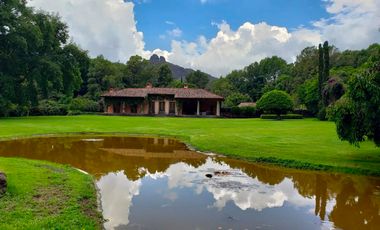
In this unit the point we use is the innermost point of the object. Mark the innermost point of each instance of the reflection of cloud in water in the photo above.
(116, 194)
(245, 192)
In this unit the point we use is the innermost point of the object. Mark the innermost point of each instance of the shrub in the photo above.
(50, 107)
(248, 111)
(81, 104)
(235, 111)
(275, 101)
(282, 116)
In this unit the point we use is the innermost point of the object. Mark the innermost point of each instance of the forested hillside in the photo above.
(300, 79)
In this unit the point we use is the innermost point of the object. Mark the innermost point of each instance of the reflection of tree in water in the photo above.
(357, 199)
(320, 197)
(101, 155)
(356, 206)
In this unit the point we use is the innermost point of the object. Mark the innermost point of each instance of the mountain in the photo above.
(177, 71)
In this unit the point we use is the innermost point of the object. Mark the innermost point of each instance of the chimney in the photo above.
(186, 86)
(148, 85)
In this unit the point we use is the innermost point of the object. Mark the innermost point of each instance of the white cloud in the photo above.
(105, 27)
(169, 22)
(176, 32)
(233, 49)
(108, 27)
(353, 24)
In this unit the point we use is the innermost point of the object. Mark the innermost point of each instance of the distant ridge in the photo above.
(178, 72)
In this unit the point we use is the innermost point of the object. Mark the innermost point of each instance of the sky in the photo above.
(215, 36)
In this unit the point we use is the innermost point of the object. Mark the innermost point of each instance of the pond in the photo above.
(158, 183)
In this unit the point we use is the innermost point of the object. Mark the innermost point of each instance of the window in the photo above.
(172, 107)
(162, 107)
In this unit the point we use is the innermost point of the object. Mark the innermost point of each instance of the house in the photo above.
(162, 101)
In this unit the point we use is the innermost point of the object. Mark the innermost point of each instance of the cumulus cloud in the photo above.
(354, 24)
(233, 49)
(106, 27)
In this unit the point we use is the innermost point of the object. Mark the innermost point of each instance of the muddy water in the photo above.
(152, 183)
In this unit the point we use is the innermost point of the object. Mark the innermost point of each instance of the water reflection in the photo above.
(152, 183)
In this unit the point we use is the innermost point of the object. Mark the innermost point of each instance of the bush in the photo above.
(81, 104)
(282, 116)
(247, 111)
(275, 101)
(50, 107)
(235, 111)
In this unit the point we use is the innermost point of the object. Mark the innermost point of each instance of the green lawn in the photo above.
(43, 195)
(306, 143)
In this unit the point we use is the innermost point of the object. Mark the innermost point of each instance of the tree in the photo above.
(309, 96)
(275, 101)
(323, 76)
(305, 67)
(222, 87)
(165, 76)
(326, 61)
(272, 67)
(235, 99)
(321, 72)
(357, 114)
(102, 75)
(333, 90)
(198, 78)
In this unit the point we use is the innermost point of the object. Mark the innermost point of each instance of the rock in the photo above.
(208, 175)
(3, 184)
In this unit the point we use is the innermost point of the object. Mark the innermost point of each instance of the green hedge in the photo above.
(247, 111)
(283, 116)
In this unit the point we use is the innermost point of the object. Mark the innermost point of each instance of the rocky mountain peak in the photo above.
(155, 59)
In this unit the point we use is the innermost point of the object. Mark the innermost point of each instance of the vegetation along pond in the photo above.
(157, 183)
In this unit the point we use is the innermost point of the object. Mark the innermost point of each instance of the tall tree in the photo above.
(164, 77)
(198, 78)
(320, 71)
(326, 61)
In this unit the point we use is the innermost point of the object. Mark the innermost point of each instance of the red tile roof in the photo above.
(247, 104)
(176, 92)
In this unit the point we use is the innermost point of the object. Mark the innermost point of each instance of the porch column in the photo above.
(156, 107)
(198, 107)
(218, 108)
(167, 107)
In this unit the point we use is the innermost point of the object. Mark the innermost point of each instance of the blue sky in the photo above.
(156, 17)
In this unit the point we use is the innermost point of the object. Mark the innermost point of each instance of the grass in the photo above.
(44, 195)
(307, 143)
